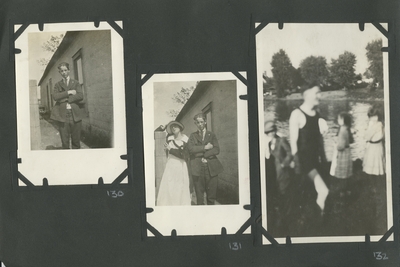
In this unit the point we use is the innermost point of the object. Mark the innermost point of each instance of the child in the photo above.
(342, 165)
(374, 157)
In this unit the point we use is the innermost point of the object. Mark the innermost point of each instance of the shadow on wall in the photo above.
(96, 138)
(227, 193)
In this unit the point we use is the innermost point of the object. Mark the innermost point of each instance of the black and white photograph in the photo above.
(196, 152)
(70, 102)
(323, 97)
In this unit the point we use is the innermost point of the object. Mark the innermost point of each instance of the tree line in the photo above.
(339, 74)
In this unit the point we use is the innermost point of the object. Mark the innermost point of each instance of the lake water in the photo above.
(329, 110)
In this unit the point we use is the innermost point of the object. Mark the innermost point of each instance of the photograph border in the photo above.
(118, 175)
(259, 24)
(242, 224)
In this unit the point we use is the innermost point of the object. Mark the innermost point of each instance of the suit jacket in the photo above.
(60, 95)
(197, 152)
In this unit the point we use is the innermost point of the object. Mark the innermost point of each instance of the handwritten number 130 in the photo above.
(115, 194)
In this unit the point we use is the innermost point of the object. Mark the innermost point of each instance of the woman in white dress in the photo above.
(174, 187)
(374, 157)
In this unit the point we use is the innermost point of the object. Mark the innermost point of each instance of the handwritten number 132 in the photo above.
(380, 256)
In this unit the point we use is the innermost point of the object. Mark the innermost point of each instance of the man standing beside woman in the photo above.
(200, 151)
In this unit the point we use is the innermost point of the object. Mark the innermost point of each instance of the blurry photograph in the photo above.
(194, 147)
(324, 132)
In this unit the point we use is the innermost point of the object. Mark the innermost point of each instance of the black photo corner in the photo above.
(74, 159)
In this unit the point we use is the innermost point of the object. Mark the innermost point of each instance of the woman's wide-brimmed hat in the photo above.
(168, 127)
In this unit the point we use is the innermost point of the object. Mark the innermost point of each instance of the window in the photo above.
(207, 110)
(78, 70)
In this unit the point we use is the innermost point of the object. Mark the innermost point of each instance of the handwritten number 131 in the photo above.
(235, 246)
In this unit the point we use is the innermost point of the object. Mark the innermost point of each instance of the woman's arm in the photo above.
(177, 153)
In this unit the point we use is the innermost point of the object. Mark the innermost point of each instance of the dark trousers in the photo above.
(205, 183)
(70, 130)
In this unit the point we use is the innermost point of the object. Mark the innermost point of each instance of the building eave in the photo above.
(197, 93)
(65, 43)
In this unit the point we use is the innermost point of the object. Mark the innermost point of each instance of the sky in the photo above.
(303, 40)
(36, 52)
(163, 92)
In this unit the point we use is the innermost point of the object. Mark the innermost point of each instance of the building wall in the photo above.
(223, 98)
(95, 50)
(34, 116)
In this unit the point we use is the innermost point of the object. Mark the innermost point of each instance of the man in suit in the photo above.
(203, 148)
(66, 112)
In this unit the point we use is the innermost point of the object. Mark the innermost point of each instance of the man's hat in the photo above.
(269, 126)
(168, 127)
